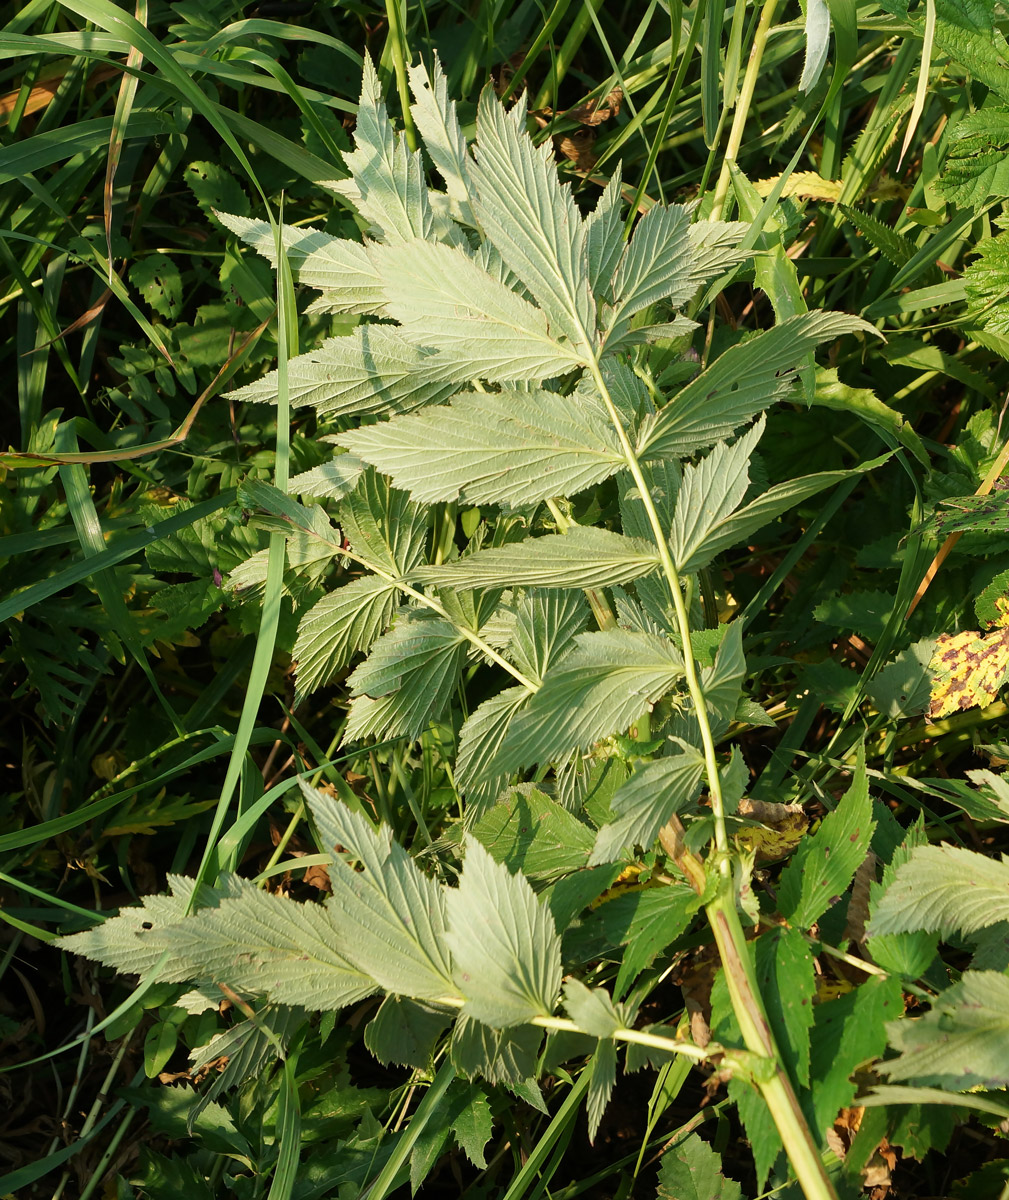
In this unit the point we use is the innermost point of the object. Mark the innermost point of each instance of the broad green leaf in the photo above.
(532, 219)
(601, 1083)
(942, 889)
(655, 266)
(722, 683)
(787, 982)
(406, 1032)
(159, 1046)
(962, 1042)
(387, 185)
(976, 165)
(120, 941)
(444, 301)
(507, 447)
(392, 917)
(407, 679)
(902, 688)
(986, 280)
(643, 805)
(657, 917)
(546, 621)
(261, 943)
(340, 267)
(583, 557)
(741, 383)
(848, 1032)
(775, 501)
(472, 1123)
(505, 949)
(329, 480)
(970, 514)
(530, 833)
(825, 863)
(600, 688)
(477, 773)
(384, 525)
(593, 1010)
(345, 621)
(159, 281)
(691, 1170)
(371, 370)
(435, 116)
(604, 240)
(710, 492)
(909, 953)
(499, 1055)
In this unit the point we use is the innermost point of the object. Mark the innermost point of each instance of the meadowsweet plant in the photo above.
(517, 536)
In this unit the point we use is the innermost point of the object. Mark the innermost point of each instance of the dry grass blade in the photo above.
(124, 106)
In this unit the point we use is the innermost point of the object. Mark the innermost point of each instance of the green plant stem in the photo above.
(747, 1004)
(397, 42)
(743, 107)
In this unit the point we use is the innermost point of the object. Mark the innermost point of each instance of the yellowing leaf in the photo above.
(970, 667)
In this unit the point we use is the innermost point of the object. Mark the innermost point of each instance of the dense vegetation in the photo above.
(504, 600)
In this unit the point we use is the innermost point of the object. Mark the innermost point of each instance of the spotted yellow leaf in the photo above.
(969, 668)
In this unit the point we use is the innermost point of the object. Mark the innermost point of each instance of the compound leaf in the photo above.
(387, 185)
(742, 382)
(532, 219)
(447, 303)
(371, 370)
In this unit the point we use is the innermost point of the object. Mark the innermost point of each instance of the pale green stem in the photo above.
(743, 106)
(729, 937)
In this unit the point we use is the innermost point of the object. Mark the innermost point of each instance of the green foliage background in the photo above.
(175, 385)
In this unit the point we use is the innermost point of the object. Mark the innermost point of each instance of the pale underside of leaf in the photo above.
(505, 948)
(387, 184)
(371, 370)
(583, 557)
(446, 302)
(532, 219)
(340, 267)
(740, 383)
(507, 447)
(943, 889)
(604, 684)
(392, 917)
(342, 623)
